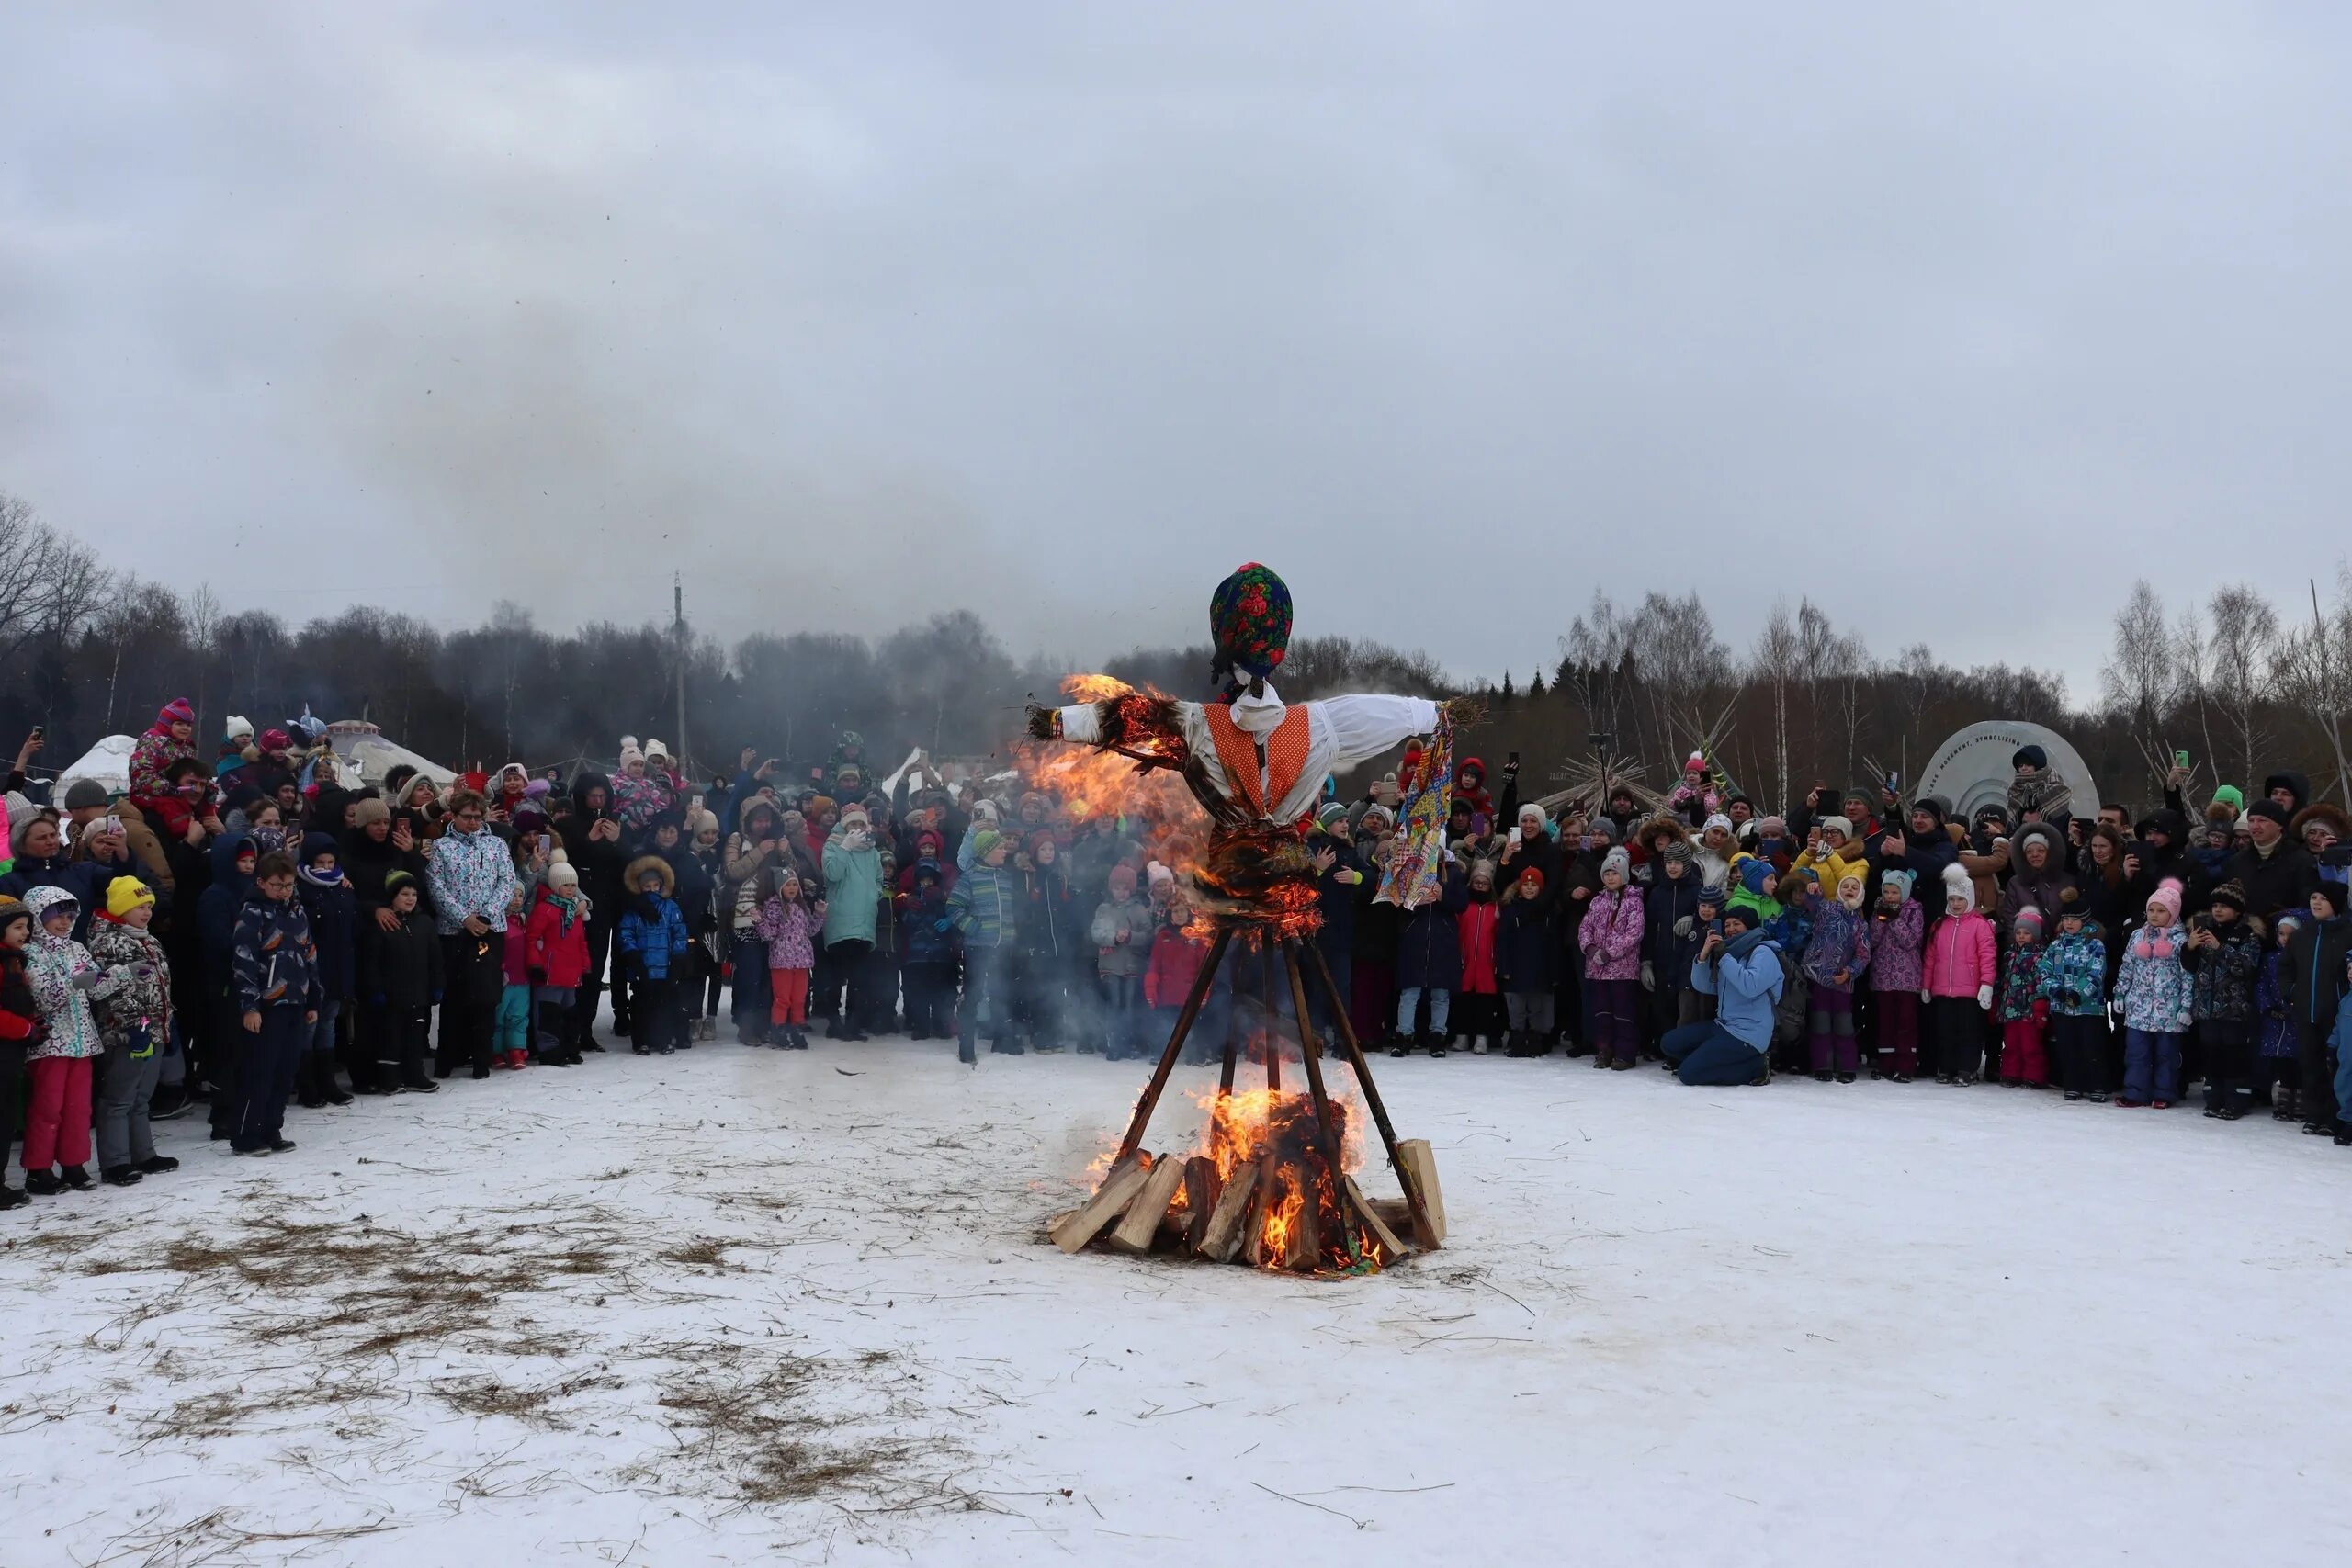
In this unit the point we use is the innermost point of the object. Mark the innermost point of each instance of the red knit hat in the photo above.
(179, 710)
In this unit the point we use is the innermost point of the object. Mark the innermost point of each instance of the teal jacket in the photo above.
(1746, 979)
(852, 891)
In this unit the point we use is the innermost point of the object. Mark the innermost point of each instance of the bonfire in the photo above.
(1222, 792)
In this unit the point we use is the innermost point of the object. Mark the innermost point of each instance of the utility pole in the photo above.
(678, 626)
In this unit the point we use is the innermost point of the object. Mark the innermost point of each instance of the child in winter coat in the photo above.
(555, 946)
(1791, 931)
(789, 925)
(19, 1028)
(1671, 938)
(1610, 937)
(929, 954)
(1523, 945)
(2224, 962)
(2311, 977)
(1429, 961)
(509, 1029)
(652, 938)
(400, 984)
(2275, 1070)
(1169, 979)
(332, 910)
(1477, 1003)
(1956, 973)
(1122, 935)
(275, 966)
(1835, 956)
(2074, 980)
(1896, 923)
(134, 1015)
(2024, 1009)
(2154, 989)
(62, 977)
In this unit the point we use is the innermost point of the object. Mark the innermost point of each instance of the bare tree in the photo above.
(2196, 666)
(1596, 662)
(2313, 671)
(2141, 680)
(1852, 674)
(1777, 663)
(50, 584)
(2245, 654)
(203, 612)
(1684, 670)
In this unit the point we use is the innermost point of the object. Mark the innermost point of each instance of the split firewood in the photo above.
(1200, 1199)
(1422, 1163)
(1134, 1234)
(1383, 1231)
(1110, 1200)
(1223, 1237)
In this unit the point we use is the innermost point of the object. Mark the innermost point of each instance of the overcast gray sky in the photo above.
(1956, 317)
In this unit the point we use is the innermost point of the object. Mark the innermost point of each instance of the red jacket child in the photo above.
(1175, 962)
(557, 935)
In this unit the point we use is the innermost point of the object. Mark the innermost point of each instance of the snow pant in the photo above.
(1897, 1018)
(1531, 1010)
(984, 987)
(57, 1128)
(2151, 1065)
(2081, 1047)
(788, 997)
(1369, 988)
(226, 1027)
(1044, 990)
(931, 1000)
(1615, 1006)
(1957, 1026)
(2023, 1057)
(12, 1094)
(2229, 1062)
(474, 979)
(126, 1083)
(879, 970)
(825, 989)
(1661, 1010)
(394, 1040)
(1709, 1053)
(659, 1019)
(265, 1077)
(848, 958)
(1123, 1012)
(510, 1026)
(1829, 1023)
(592, 984)
(2318, 1100)
(753, 1001)
(1790, 1016)
(1409, 1008)
(551, 1030)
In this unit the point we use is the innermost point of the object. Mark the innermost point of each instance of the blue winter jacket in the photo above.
(1746, 980)
(654, 931)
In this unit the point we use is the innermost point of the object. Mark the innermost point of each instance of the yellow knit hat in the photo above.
(125, 894)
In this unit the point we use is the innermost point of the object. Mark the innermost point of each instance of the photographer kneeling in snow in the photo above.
(1742, 971)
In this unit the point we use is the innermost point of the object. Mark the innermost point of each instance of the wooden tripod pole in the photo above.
(1184, 1019)
(1232, 1048)
(1273, 1020)
(1423, 1231)
(1311, 1053)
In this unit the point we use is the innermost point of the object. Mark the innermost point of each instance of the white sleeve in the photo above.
(1080, 723)
(1362, 728)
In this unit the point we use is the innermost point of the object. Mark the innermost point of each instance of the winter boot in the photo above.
(1439, 1044)
(121, 1176)
(516, 1060)
(76, 1178)
(330, 1091)
(306, 1082)
(43, 1183)
(156, 1165)
(13, 1198)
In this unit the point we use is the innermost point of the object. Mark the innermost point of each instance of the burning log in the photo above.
(1135, 1233)
(1415, 1152)
(1222, 1239)
(1082, 1225)
(1200, 1199)
(1383, 1235)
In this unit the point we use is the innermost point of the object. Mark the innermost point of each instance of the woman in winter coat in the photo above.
(752, 853)
(2225, 962)
(2159, 1002)
(1610, 936)
(1429, 961)
(1372, 953)
(2037, 874)
(1897, 926)
(63, 978)
(1049, 929)
(1956, 980)
(853, 868)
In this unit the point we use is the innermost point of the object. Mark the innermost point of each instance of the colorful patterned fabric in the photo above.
(1415, 876)
(1250, 620)
(1236, 752)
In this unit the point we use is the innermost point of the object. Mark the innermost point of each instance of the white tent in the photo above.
(108, 763)
(363, 748)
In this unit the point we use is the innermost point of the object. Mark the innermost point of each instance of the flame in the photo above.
(1093, 783)
(1282, 1218)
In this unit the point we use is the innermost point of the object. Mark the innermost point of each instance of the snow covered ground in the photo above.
(739, 1306)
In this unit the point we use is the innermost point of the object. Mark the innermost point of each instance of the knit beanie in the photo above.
(562, 874)
(11, 911)
(1603, 827)
(1532, 879)
(369, 810)
(237, 728)
(1713, 894)
(984, 841)
(1958, 884)
(396, 880)
(2286, 923)
(1900, 881)
(2231, 796)
(2332, 892)
(1694, 763)
(1678, 851)
(2269, 810)
(1158, 873)
(1716, 822)
(2030, 916)
(2166, 896)
(1773, 827)
(125, 894)
(1331, 816)
(2233, 894)
(1618, 861)
(1528, 808)
(179, 710)
(84, 792)
(1838, 825)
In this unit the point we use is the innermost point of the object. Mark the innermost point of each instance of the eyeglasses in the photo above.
(469, 817)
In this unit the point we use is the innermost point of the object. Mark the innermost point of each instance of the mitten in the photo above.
(2182, 1019)
(1649, 978)
(1985, 997)
(1926, 996)
(942, 927)
(1682, 926)
(87, 980)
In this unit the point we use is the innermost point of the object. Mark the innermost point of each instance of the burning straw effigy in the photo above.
(1268, 1183)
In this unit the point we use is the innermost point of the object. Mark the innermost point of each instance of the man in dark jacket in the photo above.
(1923, 848)
(2311, 975)
(1339, 872)
(594, 842)
(398, 976)
(233, 859)
(2164, 851)
(1670, 938)
(2275, 871)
